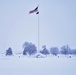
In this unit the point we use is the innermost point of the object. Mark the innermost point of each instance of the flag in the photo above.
(37, 12)
(33, 11)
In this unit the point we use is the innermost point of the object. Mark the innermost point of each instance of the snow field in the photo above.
(14, 65)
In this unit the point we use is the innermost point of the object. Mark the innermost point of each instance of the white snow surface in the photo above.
(51, 65)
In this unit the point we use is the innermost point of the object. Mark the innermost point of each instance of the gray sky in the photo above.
(57, 23)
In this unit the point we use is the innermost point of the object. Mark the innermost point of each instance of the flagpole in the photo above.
(38, 34)
(37, 12)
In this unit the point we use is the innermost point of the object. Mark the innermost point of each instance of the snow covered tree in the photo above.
(54, 51)
(73, 51)
(29, 48)
(45, 50)
(9, 51)
(65, 50)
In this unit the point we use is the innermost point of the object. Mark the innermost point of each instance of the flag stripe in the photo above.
(35, 10)
(32, 11)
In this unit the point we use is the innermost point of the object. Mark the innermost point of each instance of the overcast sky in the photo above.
(57, 20)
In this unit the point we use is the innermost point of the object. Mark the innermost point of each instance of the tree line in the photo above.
(30, 49)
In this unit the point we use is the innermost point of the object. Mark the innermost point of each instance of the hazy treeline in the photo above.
(31, 49)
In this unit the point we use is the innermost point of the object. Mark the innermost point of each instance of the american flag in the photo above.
(33, 11)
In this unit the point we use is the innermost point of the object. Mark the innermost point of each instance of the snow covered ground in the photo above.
(51, 65)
